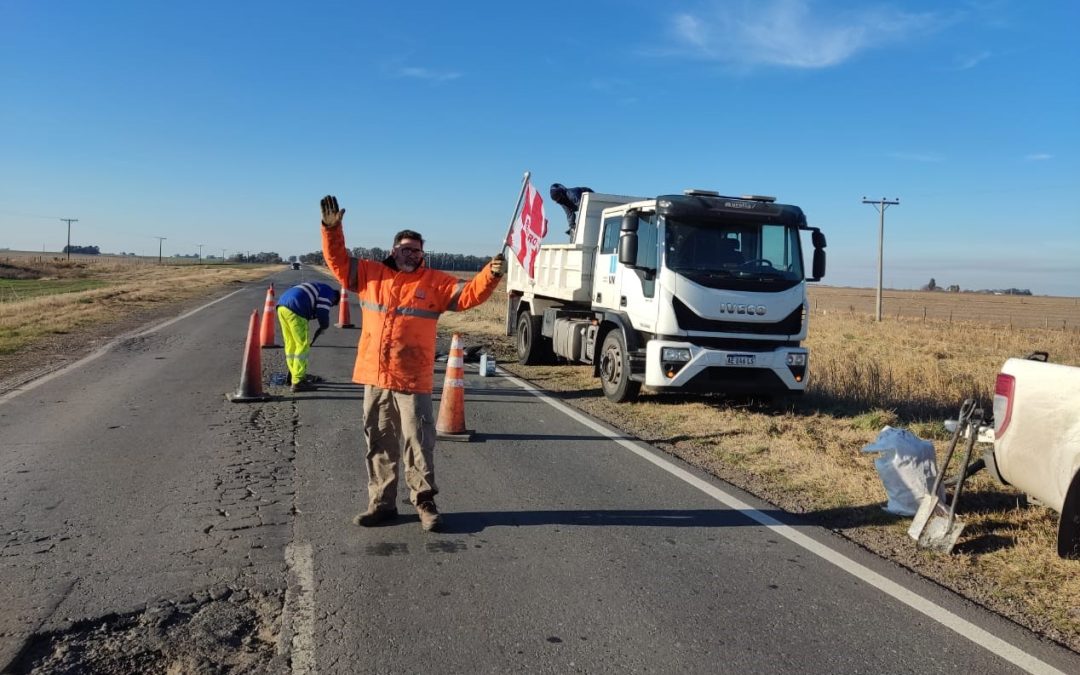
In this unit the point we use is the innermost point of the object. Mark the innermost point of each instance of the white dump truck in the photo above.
(692, 291)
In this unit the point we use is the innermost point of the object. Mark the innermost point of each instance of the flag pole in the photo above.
(513, 216)
(511, 303)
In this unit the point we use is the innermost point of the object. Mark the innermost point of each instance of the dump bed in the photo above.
(564, 270)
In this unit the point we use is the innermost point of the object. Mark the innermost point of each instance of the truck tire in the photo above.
(615, 369)
(1069, 523)
(532, 347)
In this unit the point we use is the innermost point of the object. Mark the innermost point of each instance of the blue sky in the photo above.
(224, 123)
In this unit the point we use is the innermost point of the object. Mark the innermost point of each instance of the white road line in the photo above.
(33, 384)
(961, 626)
(299, 611)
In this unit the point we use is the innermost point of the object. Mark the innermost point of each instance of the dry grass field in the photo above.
(59, 308)
(1017, 311)
(905, 371)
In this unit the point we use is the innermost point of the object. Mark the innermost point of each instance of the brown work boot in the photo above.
(429, 516)
(375, 515)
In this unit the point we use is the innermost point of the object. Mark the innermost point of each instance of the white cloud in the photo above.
(792, 33)
(1038, 157)
(426, 74)
(971, 60)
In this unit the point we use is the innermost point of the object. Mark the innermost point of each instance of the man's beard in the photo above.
(409, 267)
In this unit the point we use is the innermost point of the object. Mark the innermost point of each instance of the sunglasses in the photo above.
(409, 250)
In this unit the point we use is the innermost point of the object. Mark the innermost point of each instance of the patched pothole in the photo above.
(238, 632)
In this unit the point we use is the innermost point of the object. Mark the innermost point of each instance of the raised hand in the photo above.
(331, 214)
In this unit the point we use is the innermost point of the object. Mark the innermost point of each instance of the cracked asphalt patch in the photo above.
(224, 531)
(236, 632)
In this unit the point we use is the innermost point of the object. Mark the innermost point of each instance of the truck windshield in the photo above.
(706, 251)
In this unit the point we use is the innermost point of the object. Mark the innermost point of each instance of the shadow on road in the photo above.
(477, 521)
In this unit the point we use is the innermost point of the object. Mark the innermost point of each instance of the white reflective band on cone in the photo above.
(455, 383)
(455, 362)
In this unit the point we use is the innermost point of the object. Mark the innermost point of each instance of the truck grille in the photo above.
(689, 320)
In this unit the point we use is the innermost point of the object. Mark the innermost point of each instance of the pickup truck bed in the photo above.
(1037, 439)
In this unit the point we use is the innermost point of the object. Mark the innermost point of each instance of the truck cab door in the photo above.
(623, 289)
(606, 271)
(637, 286)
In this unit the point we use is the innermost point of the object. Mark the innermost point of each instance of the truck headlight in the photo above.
(677, 354)
(796, 363)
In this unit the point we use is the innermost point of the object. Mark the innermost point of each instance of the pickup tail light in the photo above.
(1003, 400)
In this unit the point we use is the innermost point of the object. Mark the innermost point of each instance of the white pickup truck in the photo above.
(1037, 439)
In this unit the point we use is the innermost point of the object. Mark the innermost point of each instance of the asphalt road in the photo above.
(129, 482)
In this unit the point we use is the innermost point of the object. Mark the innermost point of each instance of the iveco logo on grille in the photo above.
(739, 205)
(732, 308)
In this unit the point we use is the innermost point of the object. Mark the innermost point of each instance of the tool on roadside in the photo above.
(936, 527)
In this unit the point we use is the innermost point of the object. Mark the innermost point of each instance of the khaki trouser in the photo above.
(394, 421)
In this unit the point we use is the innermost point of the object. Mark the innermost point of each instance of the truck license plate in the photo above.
(740, 359)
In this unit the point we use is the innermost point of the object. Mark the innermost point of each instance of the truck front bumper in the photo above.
(783, 369)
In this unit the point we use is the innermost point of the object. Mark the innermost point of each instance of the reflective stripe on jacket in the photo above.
(399, 313)
(311, 300)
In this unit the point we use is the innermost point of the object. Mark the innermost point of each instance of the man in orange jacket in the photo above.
(400, 303)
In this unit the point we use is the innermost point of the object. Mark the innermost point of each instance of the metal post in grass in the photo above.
(880, 205)
(160, 239)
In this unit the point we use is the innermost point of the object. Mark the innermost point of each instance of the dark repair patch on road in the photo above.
(238, 632)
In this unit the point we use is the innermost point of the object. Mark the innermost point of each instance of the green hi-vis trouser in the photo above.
(399, 426)
(294, 329)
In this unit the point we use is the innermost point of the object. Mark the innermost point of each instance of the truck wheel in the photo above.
(615, 369)
(532, 347)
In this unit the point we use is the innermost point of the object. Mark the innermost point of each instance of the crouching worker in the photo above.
(295, 308)
(400, 303)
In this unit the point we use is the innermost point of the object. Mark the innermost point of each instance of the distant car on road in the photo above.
(296, 265)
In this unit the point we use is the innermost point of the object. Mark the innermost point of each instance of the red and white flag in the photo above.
(529, 228)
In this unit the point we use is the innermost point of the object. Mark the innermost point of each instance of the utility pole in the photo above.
(69, 221)
(159, 240)
(200, 252)
(880, 205)
(223, 256)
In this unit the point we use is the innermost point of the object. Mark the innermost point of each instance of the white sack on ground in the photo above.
(907, 468)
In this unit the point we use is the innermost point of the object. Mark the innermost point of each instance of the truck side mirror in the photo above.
(628, 242)
(819, 264)
(628, 239)
(818, 238)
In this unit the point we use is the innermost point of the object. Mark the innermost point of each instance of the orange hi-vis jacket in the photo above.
(399, 312)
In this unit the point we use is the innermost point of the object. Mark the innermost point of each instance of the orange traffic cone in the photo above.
(451, 423)
(251, 370)
(343, 311)
(266, 335)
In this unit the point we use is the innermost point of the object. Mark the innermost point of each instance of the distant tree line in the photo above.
(263, 258)
(440, 261)
(955, 288)
(83, 250)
